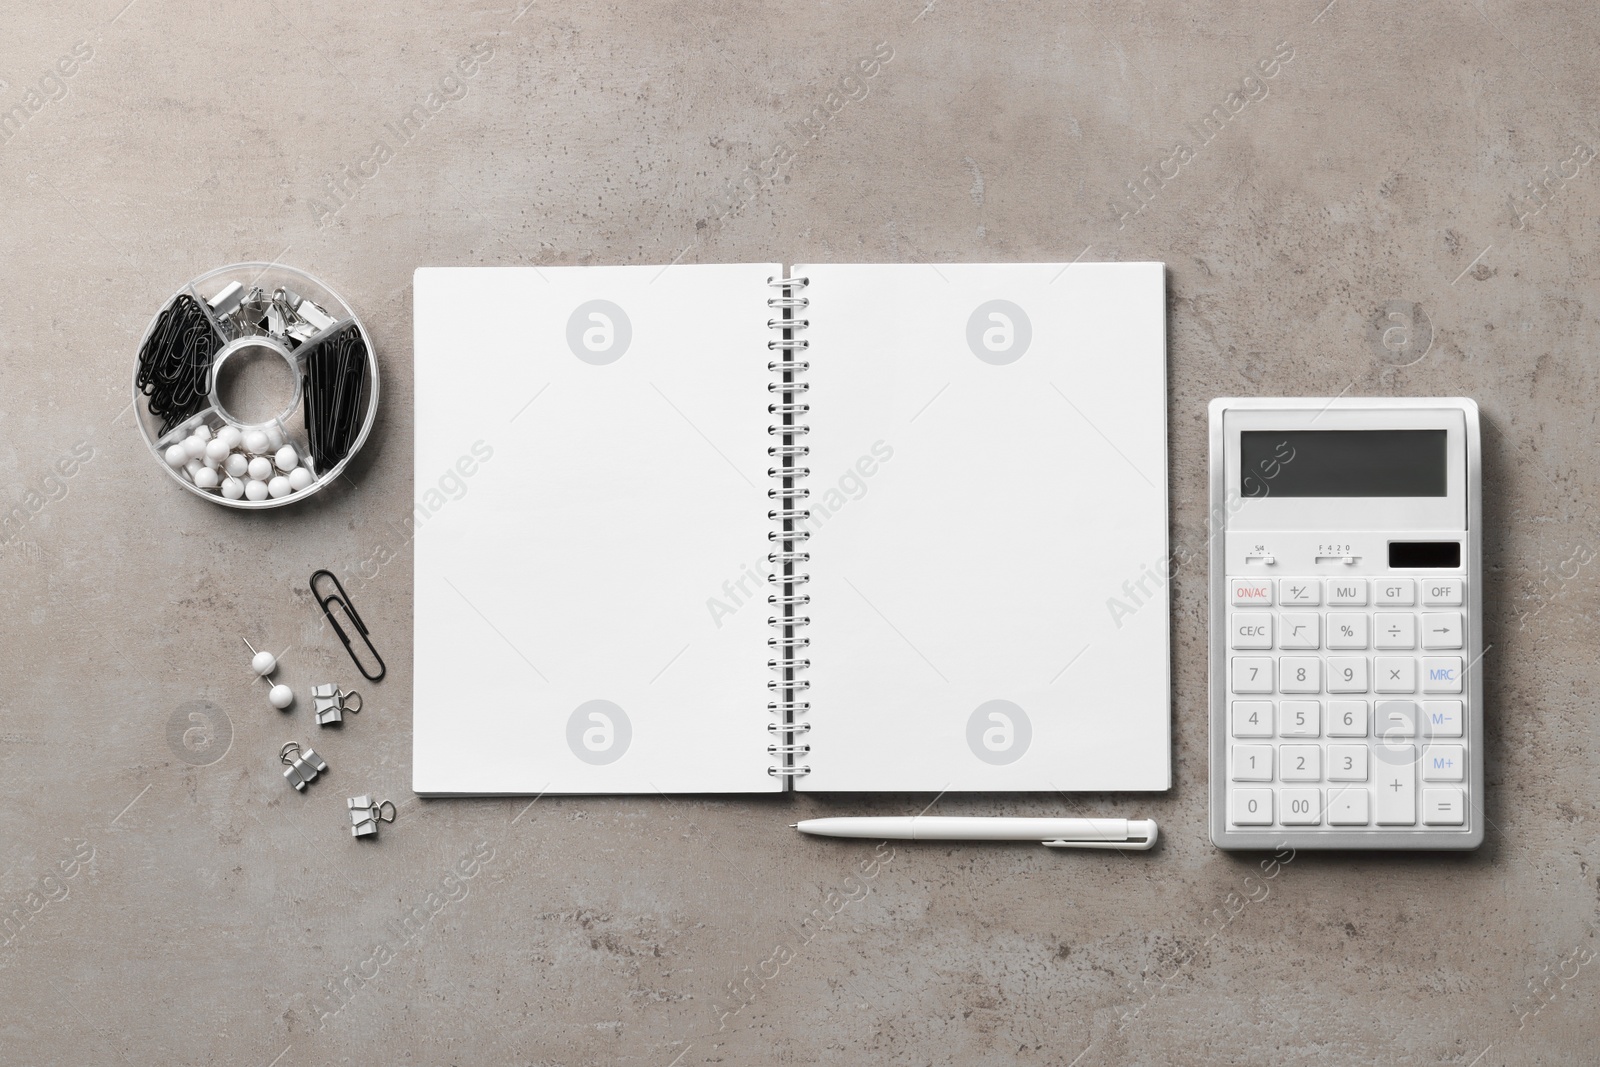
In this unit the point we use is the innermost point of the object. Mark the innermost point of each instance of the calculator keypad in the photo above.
(1345, 702)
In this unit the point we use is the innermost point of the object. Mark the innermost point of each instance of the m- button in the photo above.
(1251, 592)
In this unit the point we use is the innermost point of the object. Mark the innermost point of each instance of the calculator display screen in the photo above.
(1342, 463)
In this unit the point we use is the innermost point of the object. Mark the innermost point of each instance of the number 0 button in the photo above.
(1252, 807)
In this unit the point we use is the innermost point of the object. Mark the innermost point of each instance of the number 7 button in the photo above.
(1252, 674)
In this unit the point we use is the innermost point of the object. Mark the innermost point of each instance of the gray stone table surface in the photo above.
(166, 899)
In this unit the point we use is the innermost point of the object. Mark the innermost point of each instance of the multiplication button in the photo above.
(1395, 675)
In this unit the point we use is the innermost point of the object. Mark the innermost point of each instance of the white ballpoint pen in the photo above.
(1131, 834)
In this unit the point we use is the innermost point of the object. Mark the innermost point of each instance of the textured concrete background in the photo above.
(169, 900)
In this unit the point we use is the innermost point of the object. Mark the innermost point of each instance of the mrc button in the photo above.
(1250, 591)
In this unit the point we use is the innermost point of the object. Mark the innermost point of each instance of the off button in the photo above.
(1251, 592)
(1441, 592)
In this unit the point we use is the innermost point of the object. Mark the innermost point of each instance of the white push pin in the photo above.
(263, 663)
(279, 696)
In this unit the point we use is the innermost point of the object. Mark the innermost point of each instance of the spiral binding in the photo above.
(788, 513)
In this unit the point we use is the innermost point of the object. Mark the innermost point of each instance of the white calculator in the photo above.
(1346, 624)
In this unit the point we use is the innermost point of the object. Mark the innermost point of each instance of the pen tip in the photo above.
(793, 825)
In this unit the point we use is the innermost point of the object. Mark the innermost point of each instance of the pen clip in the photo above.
(1134, 842)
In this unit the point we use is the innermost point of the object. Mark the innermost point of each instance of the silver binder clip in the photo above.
(300, 767)
(365, 815)
(277, 319)
(330, 703)
(227, 301)
(314, 315)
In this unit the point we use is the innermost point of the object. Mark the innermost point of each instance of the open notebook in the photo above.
(841, 527)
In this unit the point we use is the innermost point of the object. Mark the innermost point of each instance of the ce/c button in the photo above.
(1251, 629)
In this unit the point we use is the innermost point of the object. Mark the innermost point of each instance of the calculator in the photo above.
(1346, 624)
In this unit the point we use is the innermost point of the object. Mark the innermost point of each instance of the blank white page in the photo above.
(590, 477)
(989, 527)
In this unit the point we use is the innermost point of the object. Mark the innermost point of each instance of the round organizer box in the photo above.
(208, 406)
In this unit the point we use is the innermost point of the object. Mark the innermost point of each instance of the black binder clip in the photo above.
(342, 599)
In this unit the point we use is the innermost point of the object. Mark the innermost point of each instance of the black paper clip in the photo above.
(343, 600)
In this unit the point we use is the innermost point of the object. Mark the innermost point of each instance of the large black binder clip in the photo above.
(342, 599)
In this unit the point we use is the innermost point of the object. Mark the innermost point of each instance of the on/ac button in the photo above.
(1250, 591)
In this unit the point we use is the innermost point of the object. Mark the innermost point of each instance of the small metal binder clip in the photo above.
(277, 319)
(342, 599)
(300, 767)
(250, 315)
(225, 302)
(314, 316)
(329, 702)
(300, 331)
(365, 815)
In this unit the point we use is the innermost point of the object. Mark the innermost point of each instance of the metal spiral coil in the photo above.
(788, 518)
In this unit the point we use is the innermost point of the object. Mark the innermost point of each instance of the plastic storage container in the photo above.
(204, 410)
